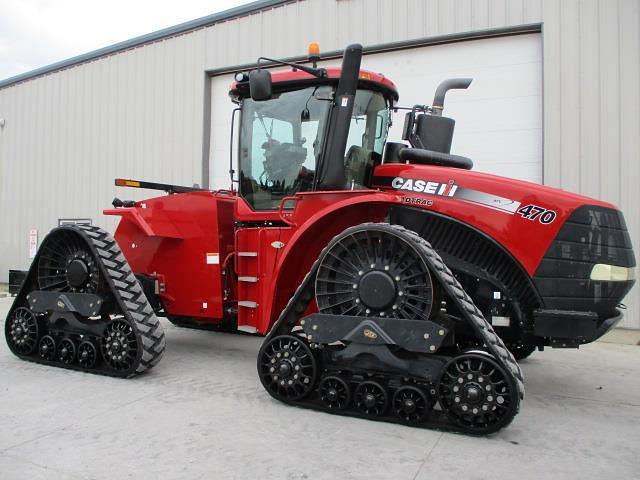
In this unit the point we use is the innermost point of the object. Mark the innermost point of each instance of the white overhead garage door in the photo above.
(498, 119)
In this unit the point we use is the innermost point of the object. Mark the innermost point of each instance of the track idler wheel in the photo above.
(119, 345)
(287, 368)
(477, 394)
(21, 331)
(410, 403)
(87, 354)
(67, 351)
(371, 398)
(335, 393)
(47, 348)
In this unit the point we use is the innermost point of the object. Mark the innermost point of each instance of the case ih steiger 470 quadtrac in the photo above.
(392, 281)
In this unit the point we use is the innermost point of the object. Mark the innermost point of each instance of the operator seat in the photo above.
(358, 161)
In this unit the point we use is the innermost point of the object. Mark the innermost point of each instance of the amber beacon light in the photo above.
(314, 52)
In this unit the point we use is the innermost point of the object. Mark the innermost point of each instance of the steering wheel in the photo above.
(281, 158)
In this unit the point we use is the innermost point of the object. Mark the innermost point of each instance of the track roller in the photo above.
(67, 351)
(47, 348)
(410, 403)
(87, 354)
(371, 398)
(335, 393)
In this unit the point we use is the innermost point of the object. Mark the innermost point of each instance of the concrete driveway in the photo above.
(202, 414)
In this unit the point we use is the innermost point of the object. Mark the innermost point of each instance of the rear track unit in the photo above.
(81, 307)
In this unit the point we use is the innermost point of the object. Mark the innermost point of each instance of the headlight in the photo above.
(612, 273)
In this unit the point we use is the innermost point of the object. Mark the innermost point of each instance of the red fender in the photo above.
(316, 228)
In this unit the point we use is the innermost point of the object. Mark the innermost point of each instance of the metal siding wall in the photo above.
(629, 134)
(69, 134)
(591, 100)
(139, 113)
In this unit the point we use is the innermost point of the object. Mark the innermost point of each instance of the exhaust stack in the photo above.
(430, 130)
(443, 88)
(332, 175)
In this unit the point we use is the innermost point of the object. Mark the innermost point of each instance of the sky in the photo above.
(35, 33)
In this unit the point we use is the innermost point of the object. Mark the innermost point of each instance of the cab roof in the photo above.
(291, 79)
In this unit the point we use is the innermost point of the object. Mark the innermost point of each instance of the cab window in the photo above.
(280, 143)
(367, 134)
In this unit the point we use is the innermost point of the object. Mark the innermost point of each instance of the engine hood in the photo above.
(521, 216)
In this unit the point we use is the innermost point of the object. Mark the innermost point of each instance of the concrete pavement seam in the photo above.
(591, 400)
(424, 460)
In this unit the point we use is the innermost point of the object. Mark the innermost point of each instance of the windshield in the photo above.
(280, 142)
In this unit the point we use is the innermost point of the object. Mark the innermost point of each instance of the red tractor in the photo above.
(392, 281)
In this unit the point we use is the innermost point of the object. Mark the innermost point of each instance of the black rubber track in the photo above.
(493, 343)
(123, 285)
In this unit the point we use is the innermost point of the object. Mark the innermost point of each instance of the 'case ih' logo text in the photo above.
(423, 186)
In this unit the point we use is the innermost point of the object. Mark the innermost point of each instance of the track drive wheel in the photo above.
(335, 393)
(477, 394)
(21, 331)
(287, 368)
(410, 403)
(374, 270)
(371, 398)
(66, 264)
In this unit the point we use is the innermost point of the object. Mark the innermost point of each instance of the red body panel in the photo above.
(169, 237)
(316, 218)
(183, 240)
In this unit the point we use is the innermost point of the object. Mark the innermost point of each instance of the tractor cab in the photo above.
(314, 129)
(303, 132)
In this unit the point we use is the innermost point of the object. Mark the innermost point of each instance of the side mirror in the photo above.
(260, 84)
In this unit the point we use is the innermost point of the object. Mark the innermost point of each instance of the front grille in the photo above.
(590, 235)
